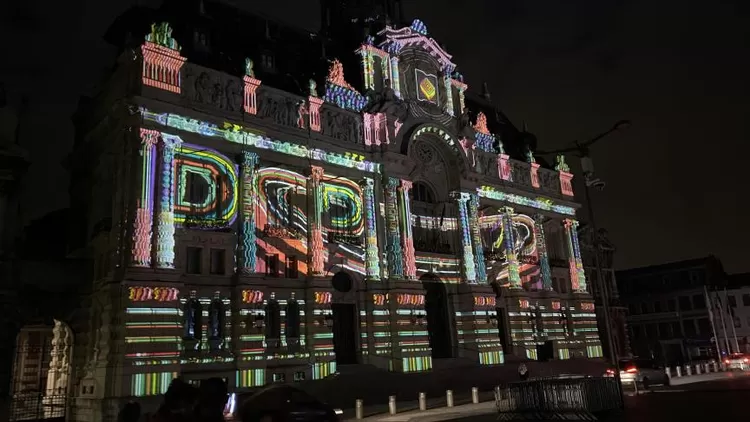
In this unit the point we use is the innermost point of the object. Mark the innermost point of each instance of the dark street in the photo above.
(715, 400)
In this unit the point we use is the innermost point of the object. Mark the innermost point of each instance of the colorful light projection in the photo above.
(339, 92)
(404, 299)
(469, 268)
(541, 249)
(577, 274)
(539, 203)
(521, 241)
(142, 234)
(490, 301)
(393, 236)
(427, 86)
(158, 294)
(237, 134)
(282, 213)
(165, 202)
(247, 247)
(407, 238)
(372, 261)
(323, 298)
(206, 188)
(252, 296)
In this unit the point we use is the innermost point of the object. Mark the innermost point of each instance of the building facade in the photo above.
(669, 315)
(243, 231)
(617, 322)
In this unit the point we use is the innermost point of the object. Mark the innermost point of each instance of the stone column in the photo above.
(395, 79)
(372, 259)
(144, 208)
(393, 245)
(509, 242)
(164, 248)
(541, 251)
(467, 256)
(448, 94)
(476, 237)
(407, 240)
(315, 248)
(247, 248)
(577, 275)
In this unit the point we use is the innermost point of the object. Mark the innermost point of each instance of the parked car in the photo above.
(644, 372)
(285, 403)
(739, 361)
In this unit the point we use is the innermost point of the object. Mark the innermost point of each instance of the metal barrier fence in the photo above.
(32, 407)
(551, 399)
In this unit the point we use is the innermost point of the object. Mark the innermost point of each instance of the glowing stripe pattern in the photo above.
(236, 134)
(470, 275)
(476, 237)
(219, 175)
(144, 217)
(165, 215)
(407, 240)
(393, 245)
(539, 203)
(315, 233)
(247, 245)
(510, 251)
(541, 249)
(577, 274)
(372, 261)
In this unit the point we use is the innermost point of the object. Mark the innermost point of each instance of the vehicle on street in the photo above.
(643, 372)
(285, 403)
(737, 361)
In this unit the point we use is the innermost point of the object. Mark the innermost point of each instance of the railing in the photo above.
(544, 399)
(37, 407)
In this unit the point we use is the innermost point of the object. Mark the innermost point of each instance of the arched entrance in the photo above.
(345, 320)
(41, 373)
(437, 307)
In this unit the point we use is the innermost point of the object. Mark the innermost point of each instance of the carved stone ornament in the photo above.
(336, 75)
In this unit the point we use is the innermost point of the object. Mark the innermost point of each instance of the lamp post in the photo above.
(582, 148)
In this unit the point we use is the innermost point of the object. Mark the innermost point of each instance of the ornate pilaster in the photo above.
(448, 95)
(467, 258)
(395, 79)
(476, 238)
(372, 259)
(144, 213)
(541, 251)
(577, 275)
(509, 241)
(246, 250)
(164, 256)
(315, 247)
(407, 240)
(393, 245)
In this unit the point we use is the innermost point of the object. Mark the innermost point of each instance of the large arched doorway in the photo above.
(344, 321)
(437, 307)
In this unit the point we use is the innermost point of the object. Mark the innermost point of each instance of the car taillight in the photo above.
(631, 370)
(727, 361)
(610, 371)
(745, 360)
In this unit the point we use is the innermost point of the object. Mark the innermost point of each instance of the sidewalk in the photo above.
(460, 400)
(713, 376)
(439, 414)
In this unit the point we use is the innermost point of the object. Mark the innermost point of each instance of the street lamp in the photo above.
(582, 148)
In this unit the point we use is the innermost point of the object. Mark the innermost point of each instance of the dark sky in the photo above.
(676, 179)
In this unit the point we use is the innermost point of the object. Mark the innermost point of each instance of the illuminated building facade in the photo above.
(265, 236)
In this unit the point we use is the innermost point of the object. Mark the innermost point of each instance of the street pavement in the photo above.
(725, 399)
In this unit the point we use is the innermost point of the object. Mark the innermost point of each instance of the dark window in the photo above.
(201, 40)
(746, 300)
(197, 188)
(279, 377)
(218, 259)
(651, 331)
(299, 376)
(421, 192)
(685, 303)
(699, 302)
(272, 265)
(292, 267)
(704, 327)
(273, 323)
(637, 332)
(671, 305)
(657, 306)
(732, 300)
(292, 319)
(216, 323)
(664, 330)
(194, 260)
(634, 310)
(645, 308)
(689, 326)
(676, 330)
(269, 62)
(193, 320)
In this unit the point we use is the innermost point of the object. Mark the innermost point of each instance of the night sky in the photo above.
(676, 179)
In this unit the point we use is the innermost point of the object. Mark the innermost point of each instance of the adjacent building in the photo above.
(669, 314)
(270, 220)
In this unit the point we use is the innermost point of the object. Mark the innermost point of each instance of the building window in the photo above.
(193, 319)
(218, 259)
(689, 325)
(732, 300)
(197, 188)
(657, 306)
(292, 325)
(279, 377)
(704, 327)
(299, 376)
(676, 330)
(292, 267)
(201, 41)
(645, 307)
(194, 259)
(746, 299)
(636, 331)
(664, 331)
(633, 309)
(216, 323)
(699, 302)
(268, 62)
(685, 303)
(421, 192)
(273, 324)
(737, 322)
(671, 305)
(272, 265)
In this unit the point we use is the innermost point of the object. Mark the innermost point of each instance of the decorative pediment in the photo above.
(339, 92)
(415, 35)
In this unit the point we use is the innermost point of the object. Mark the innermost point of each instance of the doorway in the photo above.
(345, 333)
(438, 317)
